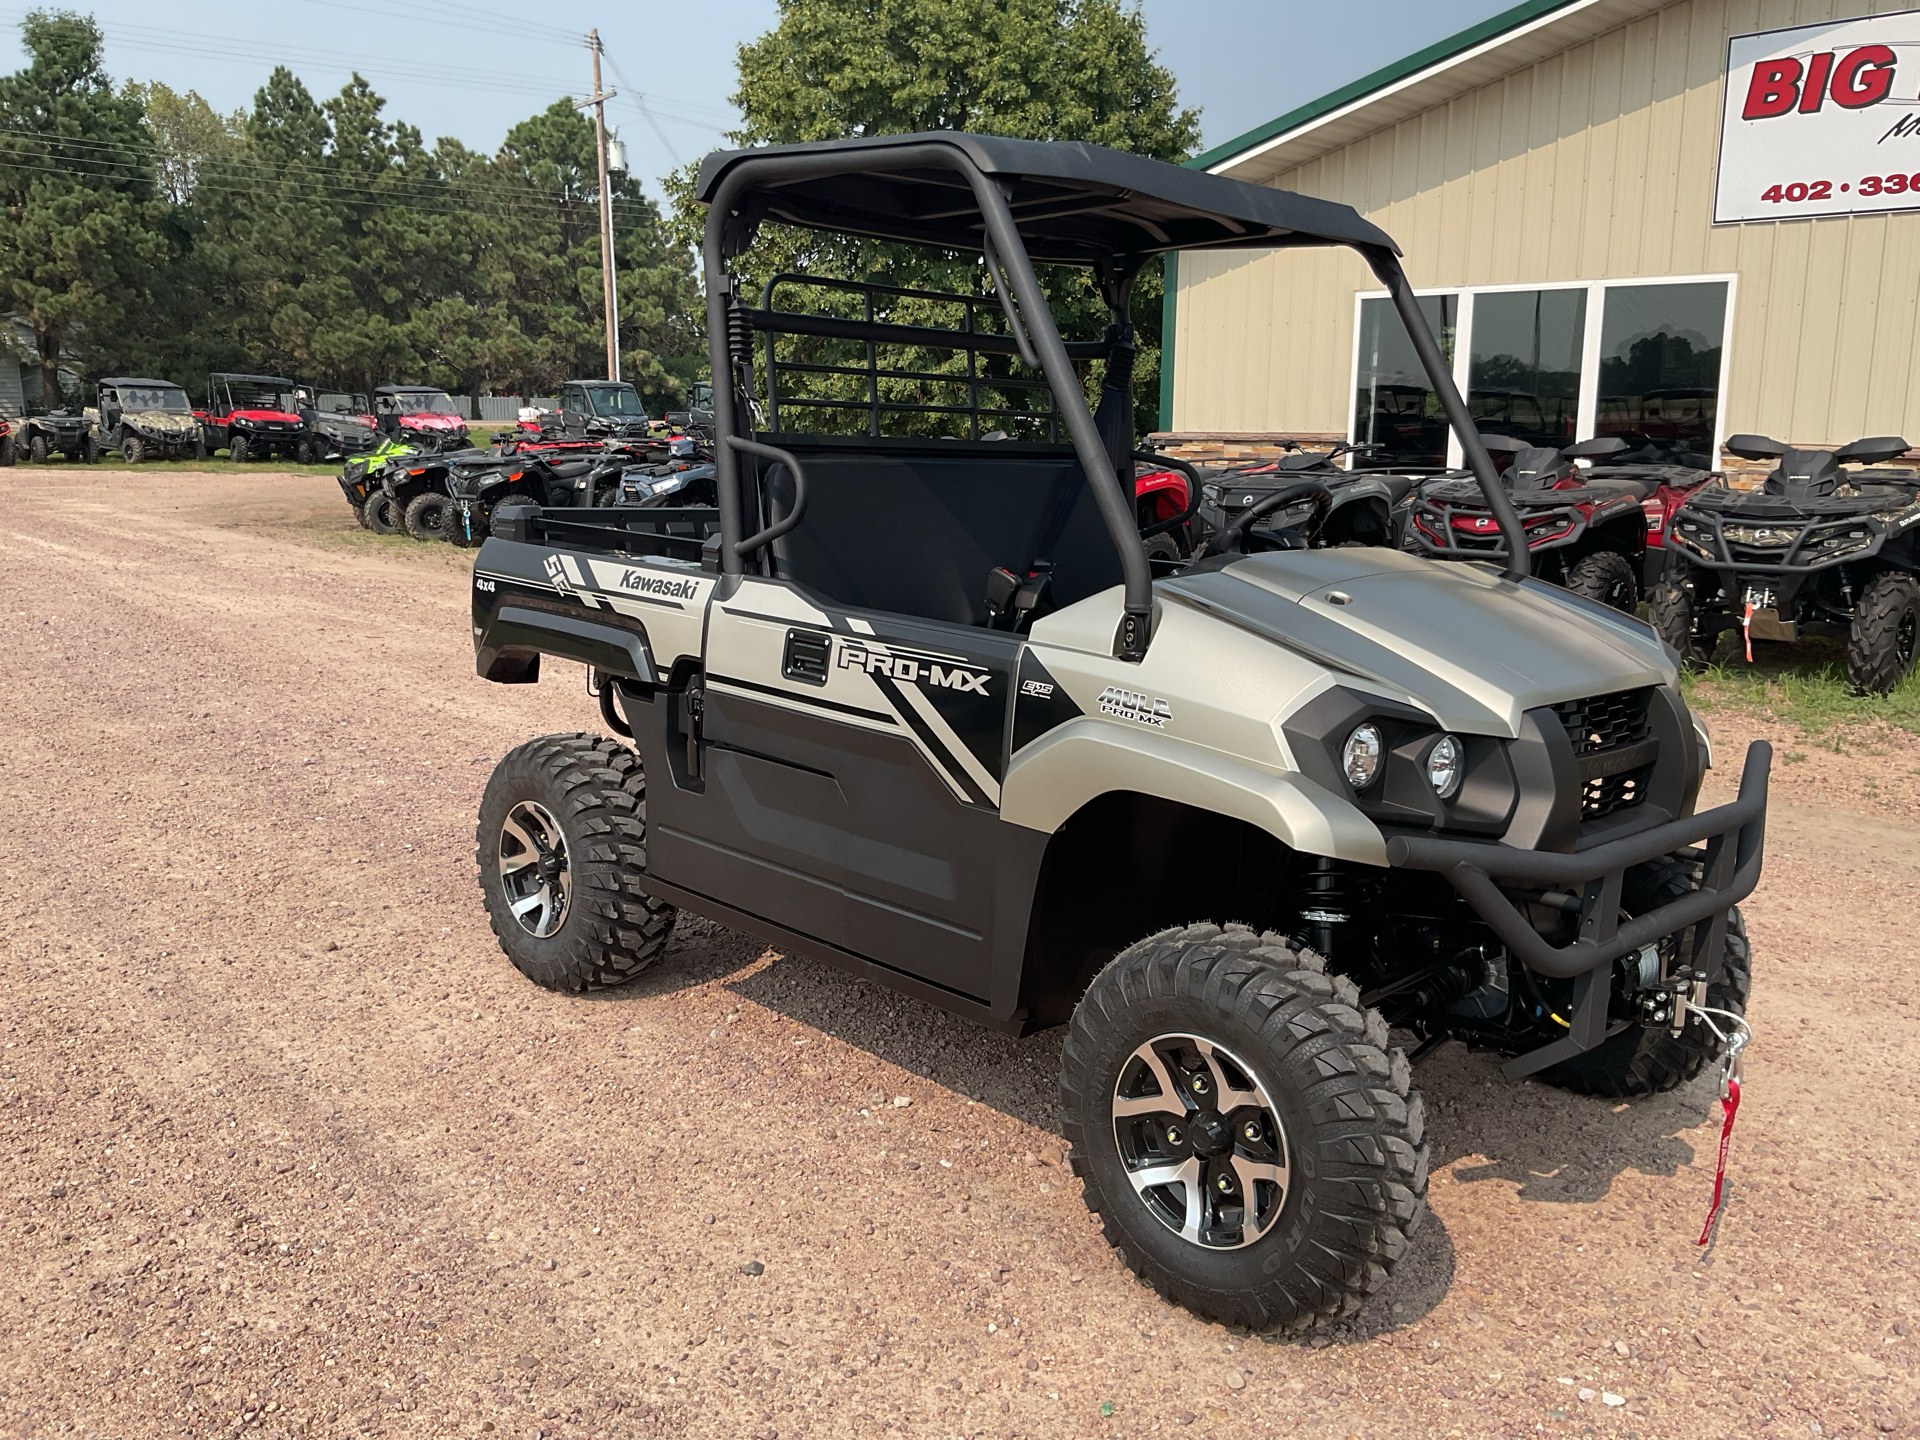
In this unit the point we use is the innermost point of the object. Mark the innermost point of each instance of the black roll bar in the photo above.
(1386, 265)
(728, 231)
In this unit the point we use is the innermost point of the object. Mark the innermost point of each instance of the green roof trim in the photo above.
(1443, 50)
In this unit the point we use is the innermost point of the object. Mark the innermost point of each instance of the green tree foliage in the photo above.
(1031, 69)
(80, 219)
(142, 230)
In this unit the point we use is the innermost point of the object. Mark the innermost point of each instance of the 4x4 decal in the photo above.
(915, 667)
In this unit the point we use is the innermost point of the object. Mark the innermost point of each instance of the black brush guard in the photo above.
(1730, 840)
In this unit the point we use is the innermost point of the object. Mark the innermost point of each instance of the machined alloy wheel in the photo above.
(534, 870)
(1253, 1148)
(1201, 1142)
(562, 852)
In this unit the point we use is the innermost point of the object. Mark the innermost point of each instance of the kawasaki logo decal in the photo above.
(939, 671)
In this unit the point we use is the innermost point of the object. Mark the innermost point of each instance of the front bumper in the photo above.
(1731, 838)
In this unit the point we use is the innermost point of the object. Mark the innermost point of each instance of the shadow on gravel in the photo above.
(1549, 1144)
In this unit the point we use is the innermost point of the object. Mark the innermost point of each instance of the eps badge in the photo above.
(1131, 705)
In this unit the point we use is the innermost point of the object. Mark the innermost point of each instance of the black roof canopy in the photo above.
(1074, 203)
(136, 380)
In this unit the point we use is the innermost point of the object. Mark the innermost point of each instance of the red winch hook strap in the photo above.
(1730, 1103)
(1746, 631)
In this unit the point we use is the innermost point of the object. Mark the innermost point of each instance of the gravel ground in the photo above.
(293, 1151)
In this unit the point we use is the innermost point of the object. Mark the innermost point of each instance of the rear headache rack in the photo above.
(832, 372)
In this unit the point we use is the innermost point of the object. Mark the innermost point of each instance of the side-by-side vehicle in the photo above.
(911, 699)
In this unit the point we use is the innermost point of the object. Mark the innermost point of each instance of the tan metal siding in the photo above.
(1594, 164)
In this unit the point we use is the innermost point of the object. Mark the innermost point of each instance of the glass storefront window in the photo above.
(1660, 370)
(1523, 370)
(1393, 405)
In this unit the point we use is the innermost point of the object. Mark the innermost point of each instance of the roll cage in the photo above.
(1015, 203)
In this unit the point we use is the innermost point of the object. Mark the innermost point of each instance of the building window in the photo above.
(1551, 364)
(1524, 376)
(1660, 352)
(1394, 407)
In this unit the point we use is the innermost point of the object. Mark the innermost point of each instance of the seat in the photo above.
(914, 527)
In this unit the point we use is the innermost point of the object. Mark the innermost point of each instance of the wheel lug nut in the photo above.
(1199, 1084)
(1224, 1184)
(1250, 1132)
(1174, 1135)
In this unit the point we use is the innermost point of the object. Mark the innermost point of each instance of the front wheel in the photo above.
(237, 449)
(382, 514)
(1606, 576)
(92, 449)
(1881, 642)
(37, 449)
(427, 515)
(1252, 1147)
(562, 852)
(1670, 607)
(132, 450)
(7, 445)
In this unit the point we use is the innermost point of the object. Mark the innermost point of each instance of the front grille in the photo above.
(1607, 793)
(1605, 722)
(1598, 726)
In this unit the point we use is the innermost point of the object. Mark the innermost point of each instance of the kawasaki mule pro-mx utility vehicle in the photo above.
(1817, 550)
(916, 706)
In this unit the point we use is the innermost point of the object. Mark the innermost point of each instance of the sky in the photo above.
(473, 68)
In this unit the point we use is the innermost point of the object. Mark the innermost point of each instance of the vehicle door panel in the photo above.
(897, 858)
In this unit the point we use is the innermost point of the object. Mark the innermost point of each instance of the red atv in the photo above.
(256, 417)
(420, 416)
(1588, 529)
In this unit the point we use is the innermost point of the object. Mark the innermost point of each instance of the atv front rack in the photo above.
(1743, 533)
(1489, 875)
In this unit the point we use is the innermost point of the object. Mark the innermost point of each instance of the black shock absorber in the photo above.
(1324, 908)
(739, 334)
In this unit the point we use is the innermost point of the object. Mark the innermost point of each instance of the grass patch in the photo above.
(1805, 683)
(208, 466)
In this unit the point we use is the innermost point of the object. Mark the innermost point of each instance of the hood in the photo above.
(335, 423)
(431, 420)
(1470, 647)
(165, 422)
(264, 417)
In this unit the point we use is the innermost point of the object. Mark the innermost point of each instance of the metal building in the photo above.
(1551, 174)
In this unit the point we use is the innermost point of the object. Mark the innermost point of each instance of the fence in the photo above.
(504, 409)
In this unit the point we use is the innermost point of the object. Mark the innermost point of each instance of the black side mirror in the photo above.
(1871, 451)
(1755, 447)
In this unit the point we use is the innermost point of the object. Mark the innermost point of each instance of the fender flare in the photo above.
(1055, 776)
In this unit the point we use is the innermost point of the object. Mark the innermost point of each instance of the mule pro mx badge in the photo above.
(1131, 705)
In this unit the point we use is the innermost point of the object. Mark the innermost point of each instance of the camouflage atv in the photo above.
(148, 419)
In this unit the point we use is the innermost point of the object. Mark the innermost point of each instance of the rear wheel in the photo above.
(132, 449)
(1881, 643)
(426, 516)
(383, 516)
(1251, 1146)
(1607, 577)
(1670, 605)
(562, 851)
(1641, 1060)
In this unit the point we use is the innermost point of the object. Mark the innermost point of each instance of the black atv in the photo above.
(1816, 550)
(604, 410)
(1587, 528)
(58, 432)
(480, 485)
(1364, 500)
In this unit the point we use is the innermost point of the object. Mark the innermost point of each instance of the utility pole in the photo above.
(611, 295)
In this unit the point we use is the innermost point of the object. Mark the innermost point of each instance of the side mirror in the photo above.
(1755, 447)
(1596, 447)
(1871, 451)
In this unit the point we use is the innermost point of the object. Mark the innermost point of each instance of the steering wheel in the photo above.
(1232, 539)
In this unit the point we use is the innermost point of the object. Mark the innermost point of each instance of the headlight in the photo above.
(1361, 755)
(1443, 766)
(1760, 537)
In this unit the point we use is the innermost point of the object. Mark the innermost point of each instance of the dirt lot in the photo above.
(293, 1151)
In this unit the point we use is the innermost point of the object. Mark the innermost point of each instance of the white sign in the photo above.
(1822, 120)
